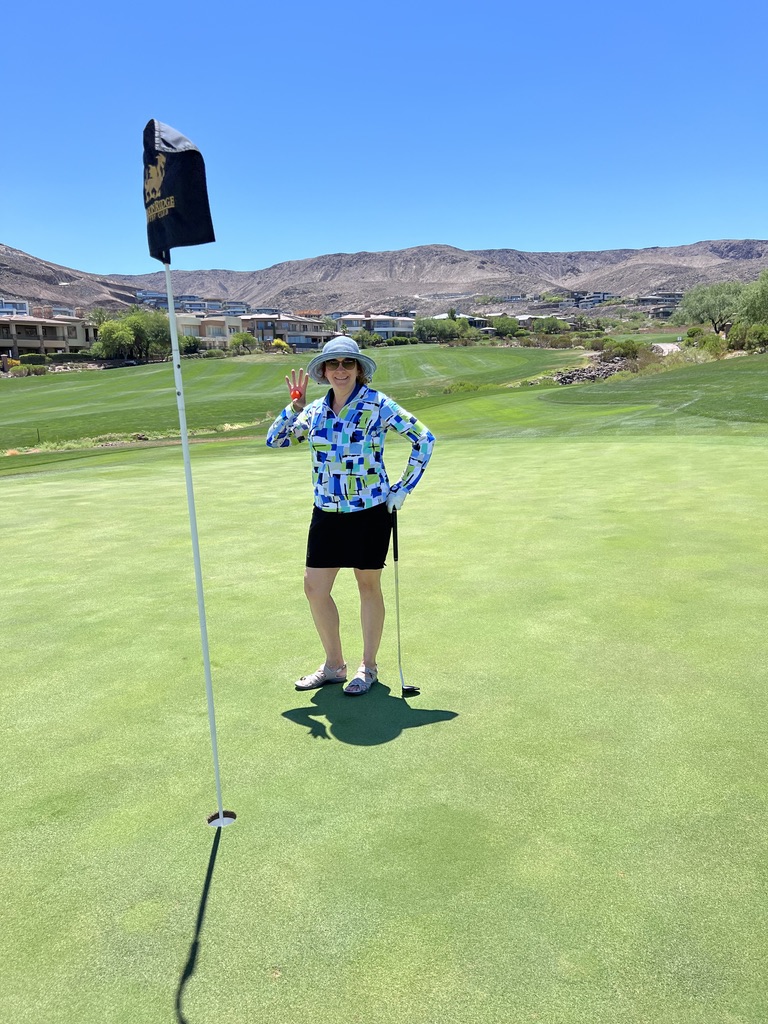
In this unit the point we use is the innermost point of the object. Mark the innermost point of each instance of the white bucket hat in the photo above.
(340, 347)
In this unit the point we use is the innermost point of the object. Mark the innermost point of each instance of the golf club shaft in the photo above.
(397, 598)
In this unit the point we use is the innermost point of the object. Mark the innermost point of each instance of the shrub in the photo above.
(19, 371)
(757, 337)
(37, 371)
(33, 359)
(627, 348)
(71, 357)
(694, 332)
(214, 353)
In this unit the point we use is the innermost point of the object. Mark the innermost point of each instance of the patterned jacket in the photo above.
(348, 450)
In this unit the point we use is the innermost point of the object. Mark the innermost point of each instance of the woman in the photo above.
(351, 519)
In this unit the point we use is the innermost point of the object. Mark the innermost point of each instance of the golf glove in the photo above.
(396, 498)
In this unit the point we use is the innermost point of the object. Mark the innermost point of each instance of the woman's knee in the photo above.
(369, 581)
(318, 583)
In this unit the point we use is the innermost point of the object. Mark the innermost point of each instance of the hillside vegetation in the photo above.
(423, 278)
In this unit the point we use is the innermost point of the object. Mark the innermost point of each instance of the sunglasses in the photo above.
(334, 364)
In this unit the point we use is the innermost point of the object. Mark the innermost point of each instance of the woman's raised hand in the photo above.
(297, 385)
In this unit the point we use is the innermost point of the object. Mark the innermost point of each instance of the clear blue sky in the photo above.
(341, 127)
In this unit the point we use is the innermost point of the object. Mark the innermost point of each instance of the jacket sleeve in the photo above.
(289, 428)
(422, 441)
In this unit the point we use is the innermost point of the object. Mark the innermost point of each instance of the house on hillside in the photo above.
(45, 333)
(301, 333)
(385, 326)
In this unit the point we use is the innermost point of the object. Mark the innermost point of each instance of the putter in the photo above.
(405, 690)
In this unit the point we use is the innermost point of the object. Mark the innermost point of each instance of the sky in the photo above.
(347, 127)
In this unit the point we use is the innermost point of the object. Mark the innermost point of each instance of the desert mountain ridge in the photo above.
(425, 278)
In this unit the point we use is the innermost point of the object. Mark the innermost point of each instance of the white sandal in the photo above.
(321, 677)
(362, 681)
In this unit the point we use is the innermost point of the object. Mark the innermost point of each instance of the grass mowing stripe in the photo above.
(252, 388)
(583, 841)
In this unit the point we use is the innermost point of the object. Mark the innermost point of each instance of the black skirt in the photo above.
(342, 539)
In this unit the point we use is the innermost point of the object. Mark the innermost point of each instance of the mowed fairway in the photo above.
(568, 825)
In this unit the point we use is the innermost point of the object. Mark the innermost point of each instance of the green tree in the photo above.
(99, 315)
(243, 339)
(551, 325)
(443, 331)
(505, 326)
(753, 307)
(365, 338)
(717, 304)
(116, 339)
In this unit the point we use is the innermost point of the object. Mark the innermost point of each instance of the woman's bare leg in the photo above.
(318, 584)
(371, 612)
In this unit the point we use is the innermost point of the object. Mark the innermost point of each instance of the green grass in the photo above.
(582, 586)
(246, 390)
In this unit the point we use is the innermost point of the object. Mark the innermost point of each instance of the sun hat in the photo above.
(340, 347)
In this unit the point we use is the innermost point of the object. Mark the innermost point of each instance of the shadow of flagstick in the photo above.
(191, 964)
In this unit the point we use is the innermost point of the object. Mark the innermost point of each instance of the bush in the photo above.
(757, 338)
(627, 348)
(20, 371)
(694, 332)
(33, 359)
(37, 371)
(71, 357)
(214, 353)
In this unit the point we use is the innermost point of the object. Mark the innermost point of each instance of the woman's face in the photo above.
(341, 373)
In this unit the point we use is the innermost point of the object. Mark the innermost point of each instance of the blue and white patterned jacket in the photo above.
(348, 450)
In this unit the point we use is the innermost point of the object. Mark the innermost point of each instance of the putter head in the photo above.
(410, 691)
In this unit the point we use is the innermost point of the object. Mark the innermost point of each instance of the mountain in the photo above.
(426, 278)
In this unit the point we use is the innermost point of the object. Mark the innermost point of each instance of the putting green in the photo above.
(582, 841)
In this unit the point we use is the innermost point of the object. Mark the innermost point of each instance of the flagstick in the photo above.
(223, 817)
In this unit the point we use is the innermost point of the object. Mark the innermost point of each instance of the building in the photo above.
(13, 307)
(376, 323)
(45, 333)
(297, 331)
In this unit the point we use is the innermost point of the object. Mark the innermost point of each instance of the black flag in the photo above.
(175, 193)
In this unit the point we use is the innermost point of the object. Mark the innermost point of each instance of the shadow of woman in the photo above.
(372, 718)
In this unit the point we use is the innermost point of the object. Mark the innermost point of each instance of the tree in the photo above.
(117, 340)
(717, 304)
(99, 315)
(136, 334)
(753, 308)
(505, 326)
(443, 331)
(243, 339)
(551, 325)
(365, 338)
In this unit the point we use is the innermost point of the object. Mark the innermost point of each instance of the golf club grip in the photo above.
(394, 533)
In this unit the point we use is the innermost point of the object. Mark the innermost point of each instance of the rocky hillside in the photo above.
(426, 278)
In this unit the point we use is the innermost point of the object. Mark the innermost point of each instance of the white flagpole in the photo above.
(223, 817)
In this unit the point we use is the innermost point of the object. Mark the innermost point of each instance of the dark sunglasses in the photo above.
(334, 364)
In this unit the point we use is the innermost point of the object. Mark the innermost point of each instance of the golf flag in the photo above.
(176, 201)
(175, 192)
